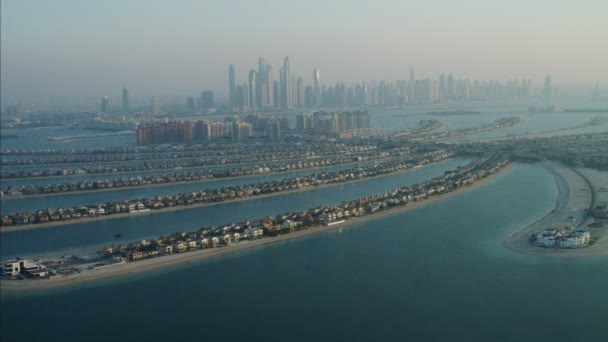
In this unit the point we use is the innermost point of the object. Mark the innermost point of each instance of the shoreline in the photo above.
(11, 229)
(565, 204)
(160, 262)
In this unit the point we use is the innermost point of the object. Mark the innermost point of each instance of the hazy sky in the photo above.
(91, 48)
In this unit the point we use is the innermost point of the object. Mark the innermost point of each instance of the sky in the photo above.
(88, 49)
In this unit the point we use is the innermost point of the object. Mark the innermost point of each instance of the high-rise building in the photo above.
(126, 101)
(154, 108)
(273, 130)
(277, 94)
(261, 70)
(162, 133)
(316, 80)
(252, 90)
(286, 89)
(190, 104)
(548, 89)
(206, 100)
(451, 88)
(232, 86)
(412, 78)
(105, 105)
(300, 93)
(245, 95)
(270, 101)
(304, 122)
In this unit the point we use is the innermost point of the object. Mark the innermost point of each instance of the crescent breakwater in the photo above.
(71, 215)
(234, 237)
(577, 196)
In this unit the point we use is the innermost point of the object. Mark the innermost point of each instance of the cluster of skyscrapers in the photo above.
(262, 92)
(126, 104)
(203, 103)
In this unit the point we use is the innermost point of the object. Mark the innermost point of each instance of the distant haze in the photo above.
(87, 49)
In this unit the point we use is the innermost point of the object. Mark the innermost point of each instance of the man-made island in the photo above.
(179, 247)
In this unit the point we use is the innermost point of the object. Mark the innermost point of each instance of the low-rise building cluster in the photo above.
(219, 194)
(225, 235)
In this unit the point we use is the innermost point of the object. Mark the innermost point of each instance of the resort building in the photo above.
(562, 238)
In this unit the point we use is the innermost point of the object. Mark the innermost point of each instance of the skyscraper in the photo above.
(316, 79)
(154, 108)
(126, 101)
(261, 84)
(252, 90)
(300, 93)
(232, 86)
(548, 89)
(105, 104)
(273, 130)
(286, 85)
(190, 104)
(245, 96)
(270, 81)
(412, 78)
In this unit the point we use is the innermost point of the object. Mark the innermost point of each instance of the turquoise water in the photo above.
(434, 273)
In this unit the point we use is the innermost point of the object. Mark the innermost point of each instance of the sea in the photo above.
(436, 273)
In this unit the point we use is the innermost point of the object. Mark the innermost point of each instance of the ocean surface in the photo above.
(435, 273)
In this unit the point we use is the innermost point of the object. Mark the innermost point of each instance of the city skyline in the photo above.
(366, 42)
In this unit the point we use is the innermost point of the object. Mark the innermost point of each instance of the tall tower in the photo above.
(252, 89)
(105, 105)
(316, 80)
(300, 93)
(286, 85)
(262, 86)
(261, 70)
(270, 81)
(548, 90)
(412, 78)
(126, 101)
(154, 108)
(232, 86)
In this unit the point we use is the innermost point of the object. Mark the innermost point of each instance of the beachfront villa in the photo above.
(24, 267)
(562, 238)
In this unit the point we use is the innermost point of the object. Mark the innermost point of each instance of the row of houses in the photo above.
(147, 165)
(210, 237)
(175, 177)
(219, 194)
(183, 242)
(195, 151)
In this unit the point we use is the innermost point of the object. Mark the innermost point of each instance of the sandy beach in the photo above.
(579, 190)
(155, 263)
(198, 205)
